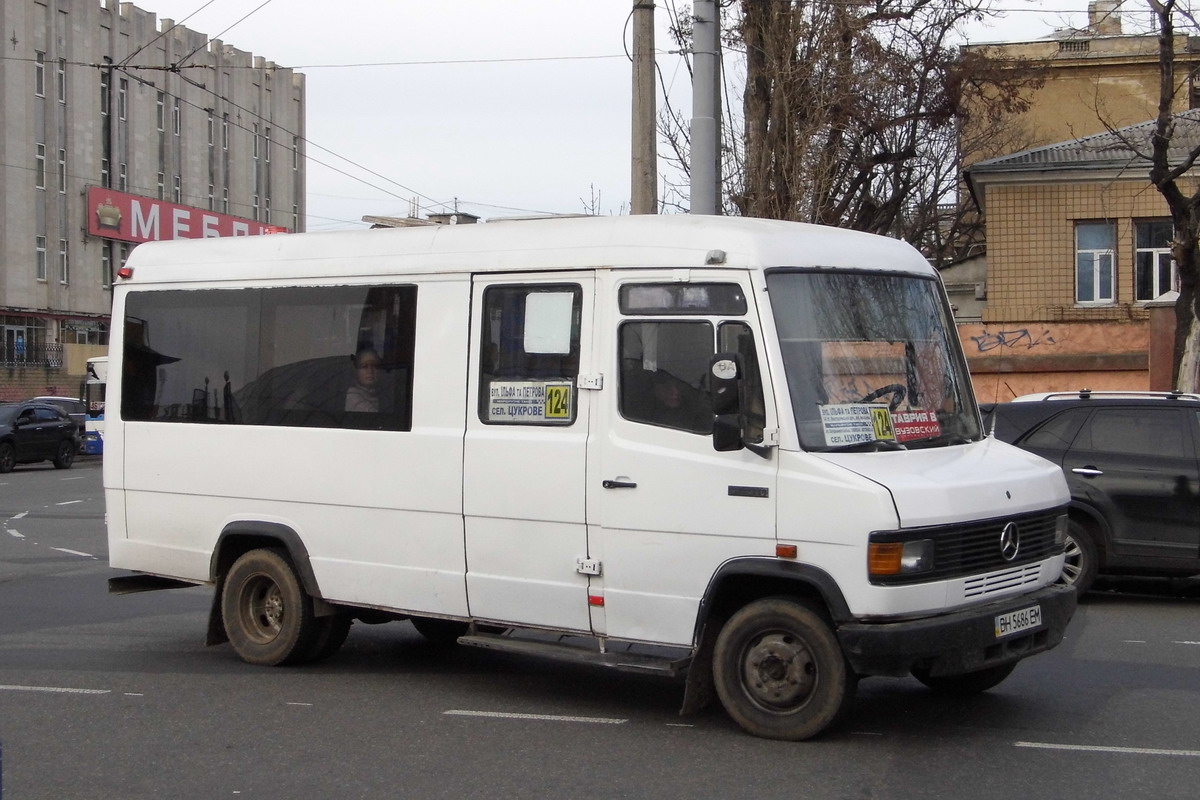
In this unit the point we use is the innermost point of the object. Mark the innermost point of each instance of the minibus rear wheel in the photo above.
(779, 670)
(268, 617)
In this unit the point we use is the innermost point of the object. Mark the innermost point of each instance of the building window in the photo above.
(295, 218)
(62, 171)
(64, 273)
(212, 129)
(105, 92)
(62, 80)
(160, 111)
(122, 98)
(177, 189)
(162, 186)
(106, 264)
(105, 176)
(1155, 272)
(212, 198)
(39, 74)
(257, 143)
(1095, 246)
(176, 116)
(225, 200)
(256, 217)
(121, 178)
(267, 143)
(295, 152)
(267, 210)
(39, 167)
(225, 132)
(41, 258)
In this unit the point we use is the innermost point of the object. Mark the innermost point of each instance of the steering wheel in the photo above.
(894, 389)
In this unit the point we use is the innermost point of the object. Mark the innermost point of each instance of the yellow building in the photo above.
(1078, 253)
(1097, 78)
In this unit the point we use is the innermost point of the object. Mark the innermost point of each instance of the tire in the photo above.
(8, 457)
(331, 635)
(1083, 558)
(439, 631)
(967, 683)
(779, 670)
(268, 617)
(65, 456)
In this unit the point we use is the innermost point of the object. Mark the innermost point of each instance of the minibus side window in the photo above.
(529, 354)
(305, 356)
(663, 374)
(737, 337)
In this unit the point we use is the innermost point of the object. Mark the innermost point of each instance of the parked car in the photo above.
(1131, 462)
(35, 431)
(76, 409)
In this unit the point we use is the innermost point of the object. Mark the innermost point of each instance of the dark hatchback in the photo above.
(1132, 462)
(36, 432)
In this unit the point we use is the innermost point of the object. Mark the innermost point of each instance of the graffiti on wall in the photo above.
(1018, 338)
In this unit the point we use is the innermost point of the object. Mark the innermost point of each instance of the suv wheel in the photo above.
(1082, 558)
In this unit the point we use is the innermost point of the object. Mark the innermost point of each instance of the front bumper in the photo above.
(956, 643)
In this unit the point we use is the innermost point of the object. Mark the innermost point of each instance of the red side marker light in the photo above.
(786, 550)
(125, 273)
(595, 600)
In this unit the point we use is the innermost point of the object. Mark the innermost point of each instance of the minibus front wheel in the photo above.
(779, 670)
(268, 617)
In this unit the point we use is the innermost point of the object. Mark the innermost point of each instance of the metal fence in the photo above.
(49, 356)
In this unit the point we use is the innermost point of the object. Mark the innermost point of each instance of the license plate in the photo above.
(1017, 621)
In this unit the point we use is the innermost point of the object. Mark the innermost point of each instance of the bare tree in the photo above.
(853, 114)
(1168, 167)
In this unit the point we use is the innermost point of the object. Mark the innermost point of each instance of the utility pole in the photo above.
(645, 163)
(706, 108)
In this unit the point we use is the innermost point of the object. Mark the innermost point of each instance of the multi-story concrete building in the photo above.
(120, 128)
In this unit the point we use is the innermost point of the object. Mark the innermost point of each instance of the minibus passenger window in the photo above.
(529, 354)
(301, 356)
(736, 337)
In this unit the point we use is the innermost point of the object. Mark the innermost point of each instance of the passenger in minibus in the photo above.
(363, 394)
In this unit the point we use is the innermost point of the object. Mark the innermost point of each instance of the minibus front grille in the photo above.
(972, 548)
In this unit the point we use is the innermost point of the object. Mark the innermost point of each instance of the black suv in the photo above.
(1132, 462)
(34, 431)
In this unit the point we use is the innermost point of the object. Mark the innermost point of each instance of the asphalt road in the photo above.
(117, 697)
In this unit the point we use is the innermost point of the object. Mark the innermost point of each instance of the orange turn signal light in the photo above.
(885, 558)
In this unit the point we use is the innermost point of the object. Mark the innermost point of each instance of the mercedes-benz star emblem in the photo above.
(1010, 541)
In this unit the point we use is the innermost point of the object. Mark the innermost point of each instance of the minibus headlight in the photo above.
(1060, 531)
(899, 558)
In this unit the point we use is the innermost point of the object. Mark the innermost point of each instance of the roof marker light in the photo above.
(125, 273)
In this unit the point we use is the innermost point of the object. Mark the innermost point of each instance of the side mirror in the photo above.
(725, 375)
(725, 380)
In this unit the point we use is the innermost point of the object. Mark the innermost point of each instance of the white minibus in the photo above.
(741, 452)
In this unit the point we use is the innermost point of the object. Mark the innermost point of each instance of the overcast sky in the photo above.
(534, 117)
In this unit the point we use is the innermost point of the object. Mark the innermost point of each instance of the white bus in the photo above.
(94, 390)
(742, 452)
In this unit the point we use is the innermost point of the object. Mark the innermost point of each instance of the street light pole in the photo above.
(645, 166)
(706, 108)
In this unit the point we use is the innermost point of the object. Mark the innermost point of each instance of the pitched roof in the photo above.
(1108, 150)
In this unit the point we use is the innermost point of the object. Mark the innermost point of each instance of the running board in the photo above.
(624, 660)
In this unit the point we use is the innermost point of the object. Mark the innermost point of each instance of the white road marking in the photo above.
(544, 717)
(68, 502)
(13, 533)
(1133, 641)
(1185, 642)
(21, 515)
(299, 704)
(1140, 751)
(53, 689)
(72, 552)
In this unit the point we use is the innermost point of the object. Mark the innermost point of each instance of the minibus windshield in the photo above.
(869, 360)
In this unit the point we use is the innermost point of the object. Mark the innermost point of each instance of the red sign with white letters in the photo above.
(133, 218)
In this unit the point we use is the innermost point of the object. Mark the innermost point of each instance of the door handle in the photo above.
(1090, 472)
(619, 485)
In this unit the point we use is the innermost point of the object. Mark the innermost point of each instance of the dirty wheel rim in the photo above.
(262, 608)
(779, 672)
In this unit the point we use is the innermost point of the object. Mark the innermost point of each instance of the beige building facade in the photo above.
(1078, 253)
